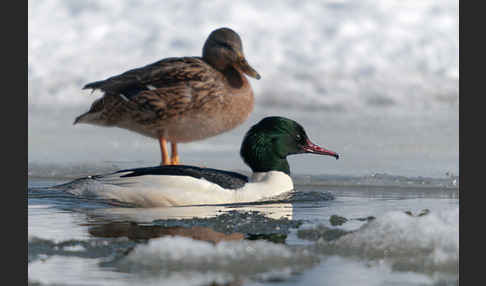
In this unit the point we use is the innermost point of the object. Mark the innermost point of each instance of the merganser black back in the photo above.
(225, 179)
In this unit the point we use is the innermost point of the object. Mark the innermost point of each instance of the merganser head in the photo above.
(267, 144)
(223, 48)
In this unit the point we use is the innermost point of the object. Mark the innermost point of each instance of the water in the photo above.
(375, 81)
(404, 233)
(408, 145)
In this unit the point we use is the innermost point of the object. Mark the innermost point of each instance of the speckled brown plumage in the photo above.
(179, 99)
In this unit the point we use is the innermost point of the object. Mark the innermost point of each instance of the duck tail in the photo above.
(92, 116)
(82, 118)
(94, 85)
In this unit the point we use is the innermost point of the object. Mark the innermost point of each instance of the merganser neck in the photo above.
(277, 179)
(263, 185)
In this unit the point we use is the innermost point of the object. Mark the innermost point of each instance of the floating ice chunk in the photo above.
(430, 240)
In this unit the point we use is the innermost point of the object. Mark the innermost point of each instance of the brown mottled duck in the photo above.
(181, 99)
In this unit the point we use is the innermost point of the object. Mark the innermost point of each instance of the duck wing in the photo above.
(163, 73)
(157, 91)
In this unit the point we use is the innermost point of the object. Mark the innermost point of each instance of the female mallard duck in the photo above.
(264, 149)
(179, 99)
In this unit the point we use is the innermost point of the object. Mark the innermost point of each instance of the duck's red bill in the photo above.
(315, 149)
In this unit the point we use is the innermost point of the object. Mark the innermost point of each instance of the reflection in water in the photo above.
(148, 215)
(135, 232)
(208, 223)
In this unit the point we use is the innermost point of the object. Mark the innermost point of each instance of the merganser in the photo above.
(264, 149)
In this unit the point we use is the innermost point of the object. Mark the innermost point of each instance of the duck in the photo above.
(179, 99)
(264, 149)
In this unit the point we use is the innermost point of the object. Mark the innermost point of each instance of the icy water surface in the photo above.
(370, 230)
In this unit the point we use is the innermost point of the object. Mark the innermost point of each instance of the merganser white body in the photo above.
(162, 190)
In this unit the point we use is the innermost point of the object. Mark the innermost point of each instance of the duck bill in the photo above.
(315, 149)
(247, 69)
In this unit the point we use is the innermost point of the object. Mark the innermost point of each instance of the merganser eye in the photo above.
(298, 137)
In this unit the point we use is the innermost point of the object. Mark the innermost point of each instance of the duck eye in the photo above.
(298, 137)
(224, 45)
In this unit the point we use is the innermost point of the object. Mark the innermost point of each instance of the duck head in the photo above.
(223, 49)
(267, 144)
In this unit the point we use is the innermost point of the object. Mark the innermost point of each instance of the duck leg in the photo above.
(163, 150)
(175, 156)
